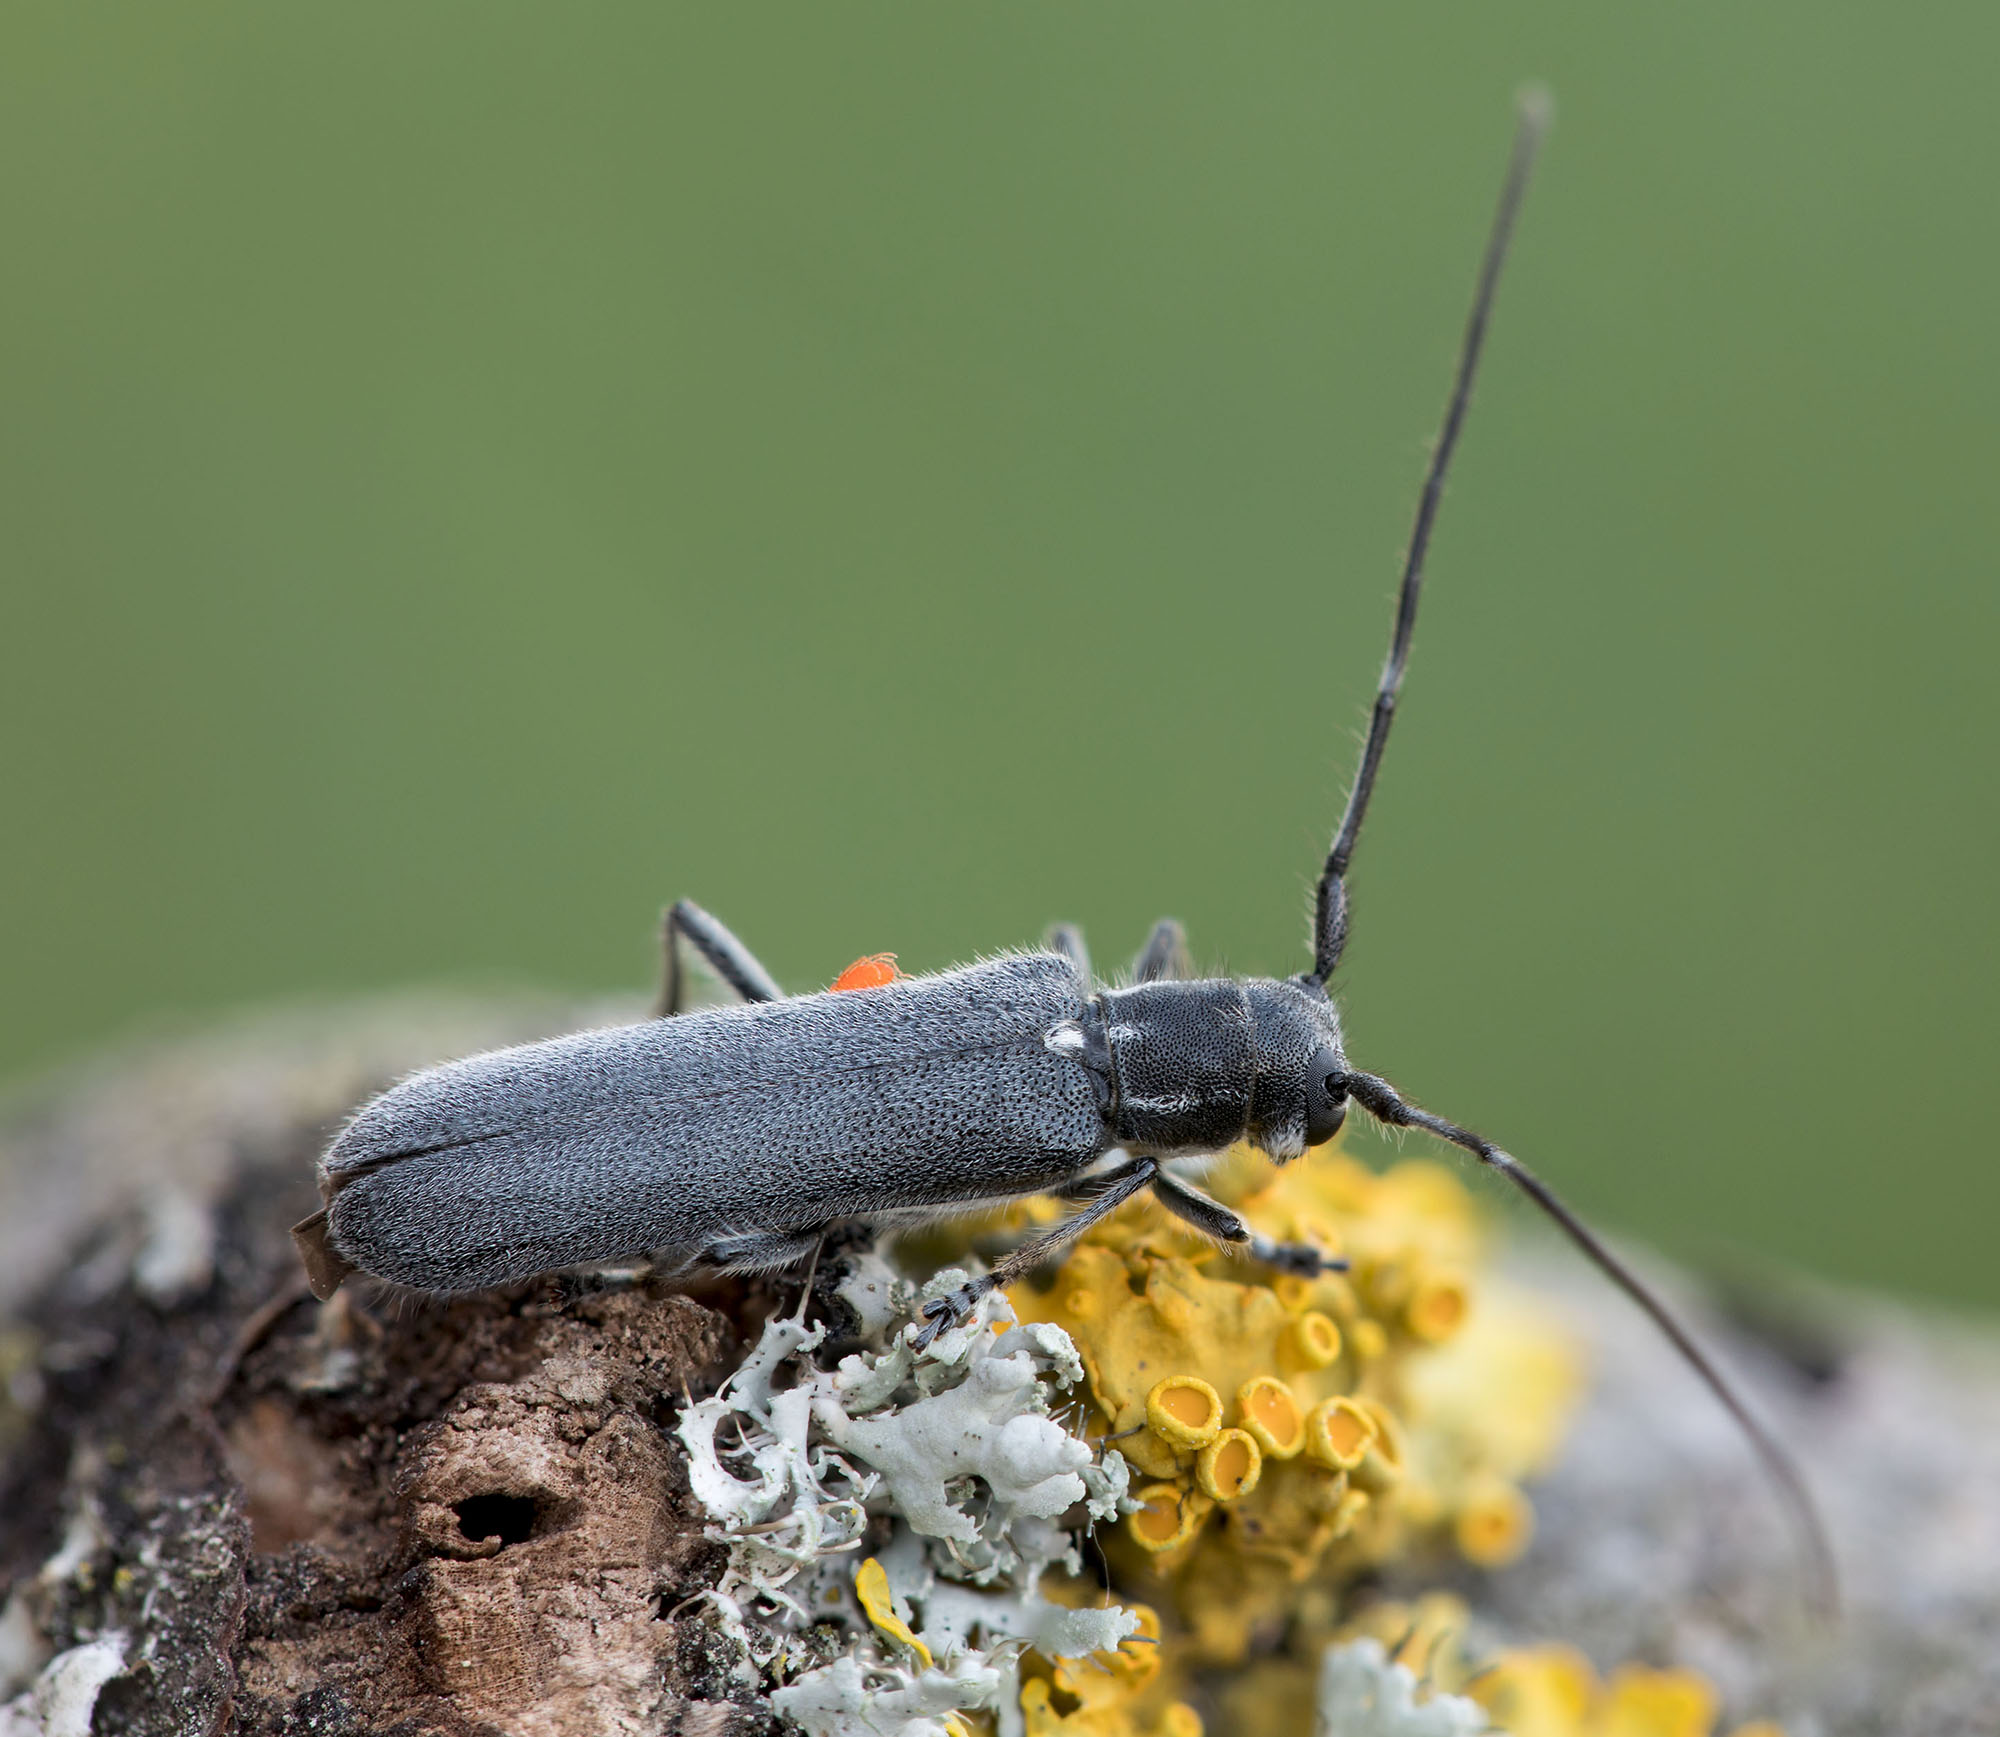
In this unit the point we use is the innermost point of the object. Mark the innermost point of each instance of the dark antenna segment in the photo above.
(1330, 904)
(1377, 1096)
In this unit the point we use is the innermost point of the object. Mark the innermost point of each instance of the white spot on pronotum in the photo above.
(1064, 1039)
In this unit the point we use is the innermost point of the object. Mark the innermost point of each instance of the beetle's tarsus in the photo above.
(1295, 1257)
(953, 1309)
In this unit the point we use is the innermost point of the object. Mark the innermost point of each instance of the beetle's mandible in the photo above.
(736, 1136)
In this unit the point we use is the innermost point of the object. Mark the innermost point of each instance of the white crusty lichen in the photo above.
(957, 1448)
(1365, 1693)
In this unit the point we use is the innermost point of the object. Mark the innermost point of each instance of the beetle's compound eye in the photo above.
(1326, 1096)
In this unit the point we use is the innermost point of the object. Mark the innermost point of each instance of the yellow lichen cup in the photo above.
(1381, 1467)
(1437, 1307)
(1293, 1291)
(1269, 1411)
(1168, 1516)
(1229, 1466)
(1339, 1433)
(1314, 1339)
(1080, 1300)
(1493, 1524)
(1184, 1411)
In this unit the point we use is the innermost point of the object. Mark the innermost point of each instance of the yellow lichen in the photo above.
(1168, 1516)
(1274, 1696)
(1392, 1408)
(1229, 1466)
(1122, 1693)
(1338, 1432)
(1287, 1434)
(1494, 1523)
(871, 1587)
(1314, 1341)
(1436, 1307)
(1552, 1691)
(1381, 1465)
(1507, 1382)
(1269, 1410)
(1541, 1691)
(1184, 1411)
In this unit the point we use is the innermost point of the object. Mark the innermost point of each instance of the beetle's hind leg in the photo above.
(760, 1250)
(727, 957)
(1165, 957)
(1114, 1188)
(1212, 1218)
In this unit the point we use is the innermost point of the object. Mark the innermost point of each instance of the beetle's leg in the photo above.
(760, 1250)
(727, 957)
(1164, 958)
(1115, 1188)
(1067, 939)
(1212, 1218)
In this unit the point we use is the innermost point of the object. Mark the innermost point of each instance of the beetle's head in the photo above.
(1300, 1098)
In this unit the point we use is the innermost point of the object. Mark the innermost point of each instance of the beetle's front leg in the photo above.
(1114, 1188)
(1212, 1218)
(1295, 1257)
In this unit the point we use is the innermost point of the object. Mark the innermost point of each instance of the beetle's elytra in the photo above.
(736, 1135)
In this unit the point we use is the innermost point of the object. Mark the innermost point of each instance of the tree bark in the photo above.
(399, 1515)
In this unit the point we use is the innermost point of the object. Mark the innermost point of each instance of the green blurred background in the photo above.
(903, 474)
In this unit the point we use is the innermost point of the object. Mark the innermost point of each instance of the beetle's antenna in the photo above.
(1330, 903)
(1381, 1100)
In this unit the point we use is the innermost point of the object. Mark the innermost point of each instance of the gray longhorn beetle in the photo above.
(734, 1137)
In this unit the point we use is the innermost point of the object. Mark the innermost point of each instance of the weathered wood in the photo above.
(388, 1514)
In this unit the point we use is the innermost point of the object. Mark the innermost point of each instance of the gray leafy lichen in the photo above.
(955, 1455)
(1362, 1692)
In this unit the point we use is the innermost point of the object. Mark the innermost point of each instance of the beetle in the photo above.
(736, 1136)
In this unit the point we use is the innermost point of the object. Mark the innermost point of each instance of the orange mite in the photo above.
(870, 973)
